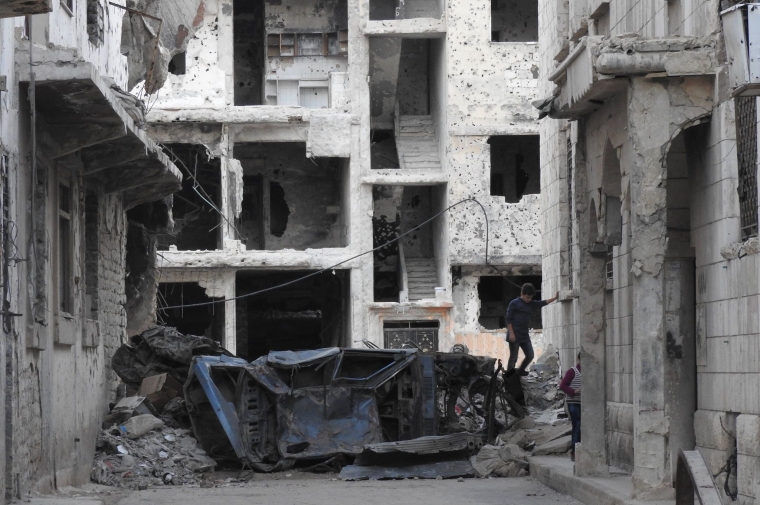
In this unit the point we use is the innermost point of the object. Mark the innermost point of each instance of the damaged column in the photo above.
(591, 453)
(658, 111)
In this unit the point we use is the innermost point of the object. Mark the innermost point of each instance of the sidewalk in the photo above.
(556, 472)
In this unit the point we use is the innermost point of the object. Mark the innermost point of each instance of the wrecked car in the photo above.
(292, 406)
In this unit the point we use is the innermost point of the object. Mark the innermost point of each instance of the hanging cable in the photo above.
(312, 274)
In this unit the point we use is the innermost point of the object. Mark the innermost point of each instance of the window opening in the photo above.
(515, 166)
(514, 21)
(64, 248)
(746, 139)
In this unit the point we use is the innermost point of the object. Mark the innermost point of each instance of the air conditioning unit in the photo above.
(741, 33)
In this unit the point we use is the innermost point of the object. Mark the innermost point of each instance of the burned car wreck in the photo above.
(293, 406)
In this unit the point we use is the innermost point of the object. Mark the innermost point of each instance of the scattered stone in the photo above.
(159, 457)
(526, 423)
(558, 446)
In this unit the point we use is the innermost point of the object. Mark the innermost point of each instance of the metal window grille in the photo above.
(746, 143)
(610, 266)
(569, 211)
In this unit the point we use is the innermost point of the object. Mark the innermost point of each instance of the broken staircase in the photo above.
(422, 278)
(416, 143)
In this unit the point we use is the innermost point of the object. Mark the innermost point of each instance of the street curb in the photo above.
(591, 491)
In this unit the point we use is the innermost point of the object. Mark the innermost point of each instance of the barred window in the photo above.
(746, 144)
(569, 211)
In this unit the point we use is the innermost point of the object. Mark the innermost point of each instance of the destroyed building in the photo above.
(649, 171)
(77, 171)
(319, 130)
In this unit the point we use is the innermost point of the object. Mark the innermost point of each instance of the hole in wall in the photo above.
(207, 320)
(278, 210)
(178, 65)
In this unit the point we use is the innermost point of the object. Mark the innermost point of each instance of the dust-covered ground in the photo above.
(310, 489)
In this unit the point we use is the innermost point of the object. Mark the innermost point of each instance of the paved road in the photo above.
(323, 491)
(309, 489)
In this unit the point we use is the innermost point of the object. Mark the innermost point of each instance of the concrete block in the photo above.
(748, 435)
(714, 430)
(558, 446)
(747, 474)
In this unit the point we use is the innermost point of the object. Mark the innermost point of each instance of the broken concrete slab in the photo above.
(558, 446)
(443, 469)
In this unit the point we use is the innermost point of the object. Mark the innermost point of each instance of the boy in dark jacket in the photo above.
(518, 318)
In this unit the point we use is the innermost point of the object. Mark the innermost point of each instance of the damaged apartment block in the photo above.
(309, 161)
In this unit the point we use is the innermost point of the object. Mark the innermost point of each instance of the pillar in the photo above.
(658, 109)
(591, 454)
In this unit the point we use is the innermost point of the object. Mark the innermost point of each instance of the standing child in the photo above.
(571, 386)
(518, 318)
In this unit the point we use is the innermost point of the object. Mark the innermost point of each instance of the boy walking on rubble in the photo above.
(571, 386)
(518, 318)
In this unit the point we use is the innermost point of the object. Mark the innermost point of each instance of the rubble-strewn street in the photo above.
(372, 251)
(325, 490)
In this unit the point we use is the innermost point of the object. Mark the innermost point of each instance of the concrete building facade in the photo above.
(321, 130)
(73, 160)
(649, 225)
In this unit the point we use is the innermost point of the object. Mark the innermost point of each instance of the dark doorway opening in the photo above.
(310, 314)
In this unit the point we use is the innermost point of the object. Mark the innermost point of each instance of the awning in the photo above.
(83, 111)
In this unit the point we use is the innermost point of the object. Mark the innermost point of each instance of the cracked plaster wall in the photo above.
(726, 288)
(69, 30)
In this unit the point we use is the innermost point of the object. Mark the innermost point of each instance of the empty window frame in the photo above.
(515, 166)
(514, 21)
(313, 94)
(746, 140)
(281, 45)
(65, 249)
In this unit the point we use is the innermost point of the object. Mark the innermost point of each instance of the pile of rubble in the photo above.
(545, 431)
(146, 438)
(161, 456)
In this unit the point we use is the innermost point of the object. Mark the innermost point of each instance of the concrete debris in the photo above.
(159, 457)
(507, 461)
(137, 426)
(558, 446)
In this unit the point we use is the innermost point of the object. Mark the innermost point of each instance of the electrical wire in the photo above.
(197, 184)
(313, 274)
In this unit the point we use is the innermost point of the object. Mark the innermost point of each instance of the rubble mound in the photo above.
(160, 457)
